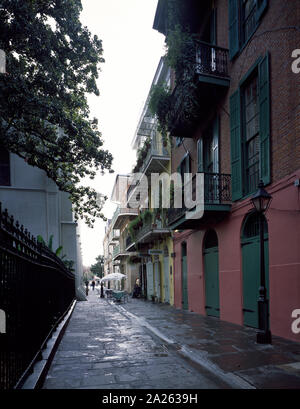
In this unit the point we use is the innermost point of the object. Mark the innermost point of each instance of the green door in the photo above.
(251, 270)
(211, 269)
(185, 304)
(211, 272)
(150, 286)
(166, 280)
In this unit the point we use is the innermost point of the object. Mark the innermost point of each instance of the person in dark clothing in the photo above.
(102, 291)
(136, 289)
(93, 285)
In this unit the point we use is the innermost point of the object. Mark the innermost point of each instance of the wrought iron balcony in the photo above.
(114, 237)
(217, 202)
(157, 158)
(150, 231)
(155, 161)
(121, 214)
(207, 72)
(213, 61)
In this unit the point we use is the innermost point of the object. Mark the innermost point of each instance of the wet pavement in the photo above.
(142, 345)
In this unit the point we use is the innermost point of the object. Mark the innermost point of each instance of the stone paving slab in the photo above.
(104, 349)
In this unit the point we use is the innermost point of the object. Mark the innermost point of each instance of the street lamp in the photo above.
(261, 202)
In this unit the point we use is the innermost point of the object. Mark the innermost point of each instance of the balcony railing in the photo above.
(151, 230)
(217, 191)
(157, 150)
(192, 98)
(114, 236)
(211, 60)
(122, 212)
(156, 160)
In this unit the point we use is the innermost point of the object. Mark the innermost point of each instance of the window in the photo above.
(248, 20)
(250, 131)
(4, 167)
(208, 149)
(244, 18)
(251, 134)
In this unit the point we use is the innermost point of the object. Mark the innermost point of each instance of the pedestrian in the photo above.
(93, 285)
(136, 289)
(87, 287)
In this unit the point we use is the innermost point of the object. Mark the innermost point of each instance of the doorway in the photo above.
(251, 267)
(211, 273)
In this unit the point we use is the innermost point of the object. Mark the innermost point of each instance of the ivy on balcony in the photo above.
(181, 105)
(142, 154)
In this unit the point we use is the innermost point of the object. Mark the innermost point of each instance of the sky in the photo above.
(132, 50)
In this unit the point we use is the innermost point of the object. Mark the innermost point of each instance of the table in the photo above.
(119, 295)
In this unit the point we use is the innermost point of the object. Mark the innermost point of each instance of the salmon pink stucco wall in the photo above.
(284, 255)
(283, 219)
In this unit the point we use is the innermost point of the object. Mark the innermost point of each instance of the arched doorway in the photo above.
(211, 274)
(251, 267)
(166, 275)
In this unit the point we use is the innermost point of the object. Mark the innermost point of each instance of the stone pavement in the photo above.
(141, 345)
(104, 349)
(228, 350)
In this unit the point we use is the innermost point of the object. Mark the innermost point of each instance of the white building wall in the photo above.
(36, 202)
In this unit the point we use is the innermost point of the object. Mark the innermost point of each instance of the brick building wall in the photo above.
(277, 35)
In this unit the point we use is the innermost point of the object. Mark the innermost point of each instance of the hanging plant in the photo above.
(147, 215)
(142, 154)
(160, 105)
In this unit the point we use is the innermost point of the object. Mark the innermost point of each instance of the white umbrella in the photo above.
(113, 276)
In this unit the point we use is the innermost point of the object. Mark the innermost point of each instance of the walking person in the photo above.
(93, 285)
(102, 291)
(87, 287)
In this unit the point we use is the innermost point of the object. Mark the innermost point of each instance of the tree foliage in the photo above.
(96, 268)
(52, 63)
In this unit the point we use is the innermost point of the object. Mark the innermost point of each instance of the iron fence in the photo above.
(36, 290)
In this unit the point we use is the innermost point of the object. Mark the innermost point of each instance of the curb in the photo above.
(229, 378)
(40, 370)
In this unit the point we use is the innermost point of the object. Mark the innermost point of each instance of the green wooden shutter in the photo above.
(235, 137)
(261, 7)
(213, 27)
(200, 155)
(216, 145)
(264, 119)
(233, 27)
